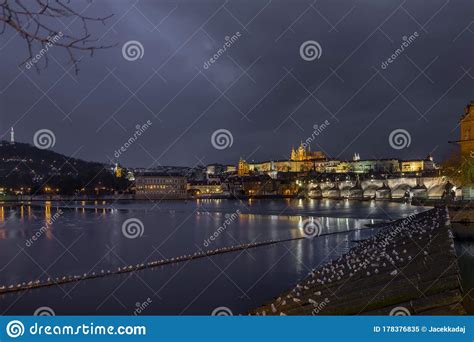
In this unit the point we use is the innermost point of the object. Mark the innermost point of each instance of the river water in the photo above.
(41, 240)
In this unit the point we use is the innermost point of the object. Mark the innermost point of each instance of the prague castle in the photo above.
(303, 160)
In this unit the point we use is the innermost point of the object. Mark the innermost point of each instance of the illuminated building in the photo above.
(417, 165)
(303, 160)
(117, 170)
(243, 168)
(203, 189)
(215, 169)
(130, 176)
(375, 165)
(343, 167)
(467, 131)
(302, 154)
(160, 186)
(230, 168)
(258, 186)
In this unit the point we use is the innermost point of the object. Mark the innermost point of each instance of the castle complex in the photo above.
(301, 160)
(304, 160)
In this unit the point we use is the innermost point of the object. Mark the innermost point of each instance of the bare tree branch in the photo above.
(36, 22)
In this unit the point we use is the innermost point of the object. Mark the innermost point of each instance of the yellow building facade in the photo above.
(303, 154)
(243, 168)
(412, 166)
(282, 166)
(467, 131)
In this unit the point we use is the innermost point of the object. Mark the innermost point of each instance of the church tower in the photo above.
(301, 152)
(467, 131)
(243, 168)
(294, 156)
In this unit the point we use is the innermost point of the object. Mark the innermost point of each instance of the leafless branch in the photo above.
(36, 21)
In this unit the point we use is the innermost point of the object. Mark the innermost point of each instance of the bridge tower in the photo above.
(467, 131)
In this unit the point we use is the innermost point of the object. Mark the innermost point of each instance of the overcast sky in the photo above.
(261, 89)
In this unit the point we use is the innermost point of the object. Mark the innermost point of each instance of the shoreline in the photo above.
(414, 255)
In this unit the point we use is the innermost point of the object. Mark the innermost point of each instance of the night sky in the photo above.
(261, 90)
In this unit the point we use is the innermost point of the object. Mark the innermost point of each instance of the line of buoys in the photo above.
(132, 268)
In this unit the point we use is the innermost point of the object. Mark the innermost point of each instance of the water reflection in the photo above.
(465, 252)
(88, 237)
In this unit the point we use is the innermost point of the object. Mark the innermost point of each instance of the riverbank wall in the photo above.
(408, 268)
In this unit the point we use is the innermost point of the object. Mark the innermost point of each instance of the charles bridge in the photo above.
(393, 188)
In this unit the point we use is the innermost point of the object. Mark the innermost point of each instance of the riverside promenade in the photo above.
(408, 268)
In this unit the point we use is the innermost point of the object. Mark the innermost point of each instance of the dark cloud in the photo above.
(94, 113)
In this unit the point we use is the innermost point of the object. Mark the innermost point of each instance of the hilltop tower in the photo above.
(12, 136)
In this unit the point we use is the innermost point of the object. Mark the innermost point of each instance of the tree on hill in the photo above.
(43, 171)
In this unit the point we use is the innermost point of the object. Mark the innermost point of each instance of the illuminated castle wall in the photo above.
(301, 160)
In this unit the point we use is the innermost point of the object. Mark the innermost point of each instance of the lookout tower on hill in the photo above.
(12, 136)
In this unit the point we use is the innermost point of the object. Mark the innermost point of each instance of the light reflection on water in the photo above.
(465, 253)
(88, 237)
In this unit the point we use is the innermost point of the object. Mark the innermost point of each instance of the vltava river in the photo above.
(49, 240)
